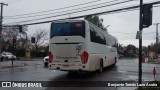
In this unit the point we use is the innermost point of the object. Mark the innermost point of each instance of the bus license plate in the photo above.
(65, 65)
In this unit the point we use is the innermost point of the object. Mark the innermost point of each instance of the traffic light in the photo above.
(147, 15)
(14, 39)
(149, 47)
(33, 39)
(20, 28)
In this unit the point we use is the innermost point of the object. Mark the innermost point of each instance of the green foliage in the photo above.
(153, 47)
(130, 51)
(96, 21)
(131, 47)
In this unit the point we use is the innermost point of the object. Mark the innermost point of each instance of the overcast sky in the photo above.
(123, 25)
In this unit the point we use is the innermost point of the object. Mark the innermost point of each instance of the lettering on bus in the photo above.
(62, 57)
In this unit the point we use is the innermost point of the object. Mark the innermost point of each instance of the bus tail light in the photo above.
(84, 57)
(50, 57)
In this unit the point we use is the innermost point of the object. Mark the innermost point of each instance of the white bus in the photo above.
(78, 45)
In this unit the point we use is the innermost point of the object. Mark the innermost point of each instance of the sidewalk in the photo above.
(8, 64)
(18, 63)
(29, 59)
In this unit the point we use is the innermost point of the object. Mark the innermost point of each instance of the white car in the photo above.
(45, 61)
(8, 56)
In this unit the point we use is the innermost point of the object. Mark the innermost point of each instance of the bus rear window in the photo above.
(68, 29)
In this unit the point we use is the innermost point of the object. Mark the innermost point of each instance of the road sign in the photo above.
(139, 35)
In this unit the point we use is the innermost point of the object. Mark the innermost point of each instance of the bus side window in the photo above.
(103, 39)
(93, 35)
(115, 43)
(108, 41)
(97, 37)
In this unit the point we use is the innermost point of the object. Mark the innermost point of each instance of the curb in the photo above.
(29, 59)
(14, 65)
(4, 67)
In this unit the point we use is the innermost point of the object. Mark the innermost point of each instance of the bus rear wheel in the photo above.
(115, 61)
(101, 66)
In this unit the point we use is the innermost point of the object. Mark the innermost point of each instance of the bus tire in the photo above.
(115, 61)
(46, 64)
(101, 66)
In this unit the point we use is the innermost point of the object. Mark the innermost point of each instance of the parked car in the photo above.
(45, 61)
(8, 56)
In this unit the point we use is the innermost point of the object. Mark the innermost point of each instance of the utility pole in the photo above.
(140, 41)
(156, 50)
(1, 20)
(145, 20)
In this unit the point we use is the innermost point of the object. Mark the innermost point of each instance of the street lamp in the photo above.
(26, 41)
(107, 25)
(106, 28)
(157, 40)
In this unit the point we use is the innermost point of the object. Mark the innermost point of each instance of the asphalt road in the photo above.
(125, 70)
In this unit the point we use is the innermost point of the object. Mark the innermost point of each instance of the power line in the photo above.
(135, 8)
(131, 33)
(59, 8)
(66, 11)
(111, 11)
(10, 1)
(108, 12)
(75, 11)
(59, 11)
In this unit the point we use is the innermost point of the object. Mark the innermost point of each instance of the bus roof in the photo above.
(68, 20)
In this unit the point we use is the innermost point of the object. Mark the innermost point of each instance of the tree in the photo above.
(153, 47)
(130, 50)
(40, 36)
(96, 21)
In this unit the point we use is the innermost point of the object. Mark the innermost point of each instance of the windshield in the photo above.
(9, 53)
(6, 53)
(68, 29)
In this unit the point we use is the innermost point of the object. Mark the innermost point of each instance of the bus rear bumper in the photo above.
(70, 68)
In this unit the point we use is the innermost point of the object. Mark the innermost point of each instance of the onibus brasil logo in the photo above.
(20, 84)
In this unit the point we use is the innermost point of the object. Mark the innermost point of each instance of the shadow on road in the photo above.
(80, 76)
(74, 80)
